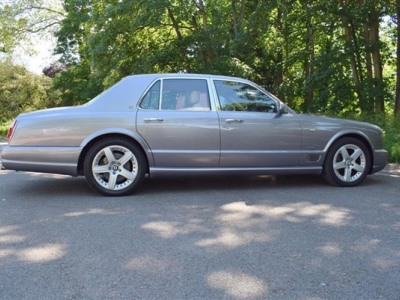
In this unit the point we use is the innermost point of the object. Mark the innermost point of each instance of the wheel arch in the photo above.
(357, 135)
(94, 140)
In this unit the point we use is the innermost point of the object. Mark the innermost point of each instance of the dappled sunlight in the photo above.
(47, 175)
(297, 212)
(10, 239)
(394, 176)
(147, 263)
(5, 172)
(169, 230)
(365, 244)
(237, 285)
(6, 252)
(331, 249)
(240, 211)
(7, 229)
(93, 211)
(229, 237)
(384, 263)
(240, 223)
(391, 170)
(40, 254)
(34, 174)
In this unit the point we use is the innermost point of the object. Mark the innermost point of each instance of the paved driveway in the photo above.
(291, 237)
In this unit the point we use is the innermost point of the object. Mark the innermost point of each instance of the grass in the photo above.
(391, 139)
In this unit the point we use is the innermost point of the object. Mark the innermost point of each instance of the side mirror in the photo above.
(280, 108)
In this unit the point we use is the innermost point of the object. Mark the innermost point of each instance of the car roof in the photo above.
(186, 75)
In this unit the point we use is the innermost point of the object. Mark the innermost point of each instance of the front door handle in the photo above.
(153, 120)
(234, 121)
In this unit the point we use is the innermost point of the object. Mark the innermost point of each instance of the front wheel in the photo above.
(114, 167)
(347, 163)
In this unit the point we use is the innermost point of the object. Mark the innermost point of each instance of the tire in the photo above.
(114, 167)
(347, 163)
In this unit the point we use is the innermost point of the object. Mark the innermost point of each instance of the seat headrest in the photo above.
(194, 97)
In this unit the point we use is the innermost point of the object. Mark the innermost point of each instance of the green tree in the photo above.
(22, 91)
(20, 20)
(396, 19)
(319, 56)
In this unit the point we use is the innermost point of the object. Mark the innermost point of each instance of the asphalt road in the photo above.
(290, 237)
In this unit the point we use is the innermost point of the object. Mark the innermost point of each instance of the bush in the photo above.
(4, 129)
(391, 140)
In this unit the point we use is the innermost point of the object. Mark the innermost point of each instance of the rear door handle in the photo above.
(234, 121)
(153, 120)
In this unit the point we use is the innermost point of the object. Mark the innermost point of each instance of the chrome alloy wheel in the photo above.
(349, 163)
(115, 167)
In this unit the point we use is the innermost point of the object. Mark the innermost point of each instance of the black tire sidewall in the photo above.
(94, 150)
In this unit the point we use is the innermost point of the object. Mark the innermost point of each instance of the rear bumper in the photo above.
(58, 160)
(380, 160)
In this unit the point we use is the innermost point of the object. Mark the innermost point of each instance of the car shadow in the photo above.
(223, 183)
(66, 186)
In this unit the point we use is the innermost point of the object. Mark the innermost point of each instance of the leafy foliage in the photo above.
(318, 56)
(20, 20)
(22, 91)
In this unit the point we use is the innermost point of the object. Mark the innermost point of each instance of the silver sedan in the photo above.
(189, 124)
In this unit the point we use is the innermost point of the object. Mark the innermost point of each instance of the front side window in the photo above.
(239, 96)
(178, 94)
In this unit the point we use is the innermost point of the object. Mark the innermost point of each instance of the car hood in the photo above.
(336, 122)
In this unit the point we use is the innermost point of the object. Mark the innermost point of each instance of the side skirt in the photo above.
(162, 172)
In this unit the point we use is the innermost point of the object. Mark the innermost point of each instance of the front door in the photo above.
(253, 134)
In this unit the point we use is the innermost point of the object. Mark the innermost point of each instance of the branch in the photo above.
(27, 10)
(42, 28)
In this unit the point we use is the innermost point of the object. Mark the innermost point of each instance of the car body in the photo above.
(181, 124)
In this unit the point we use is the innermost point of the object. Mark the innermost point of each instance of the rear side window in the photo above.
(152, 99)
(178, 94)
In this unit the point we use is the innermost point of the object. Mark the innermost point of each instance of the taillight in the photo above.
(11, 130)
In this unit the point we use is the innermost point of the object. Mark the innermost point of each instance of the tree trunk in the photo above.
(377, 62)
(203, 13)
(279, 59)
(397, 100)
(174, 24)
(308, 66)
(353, 61)
(237, 20)
(368, 55)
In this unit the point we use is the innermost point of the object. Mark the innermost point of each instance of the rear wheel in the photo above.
(114, 167)
(347, 163)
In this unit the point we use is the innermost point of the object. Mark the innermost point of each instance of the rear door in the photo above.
(176, 120)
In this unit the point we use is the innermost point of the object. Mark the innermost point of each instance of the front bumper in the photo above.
(380, 160)
(1, 160)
